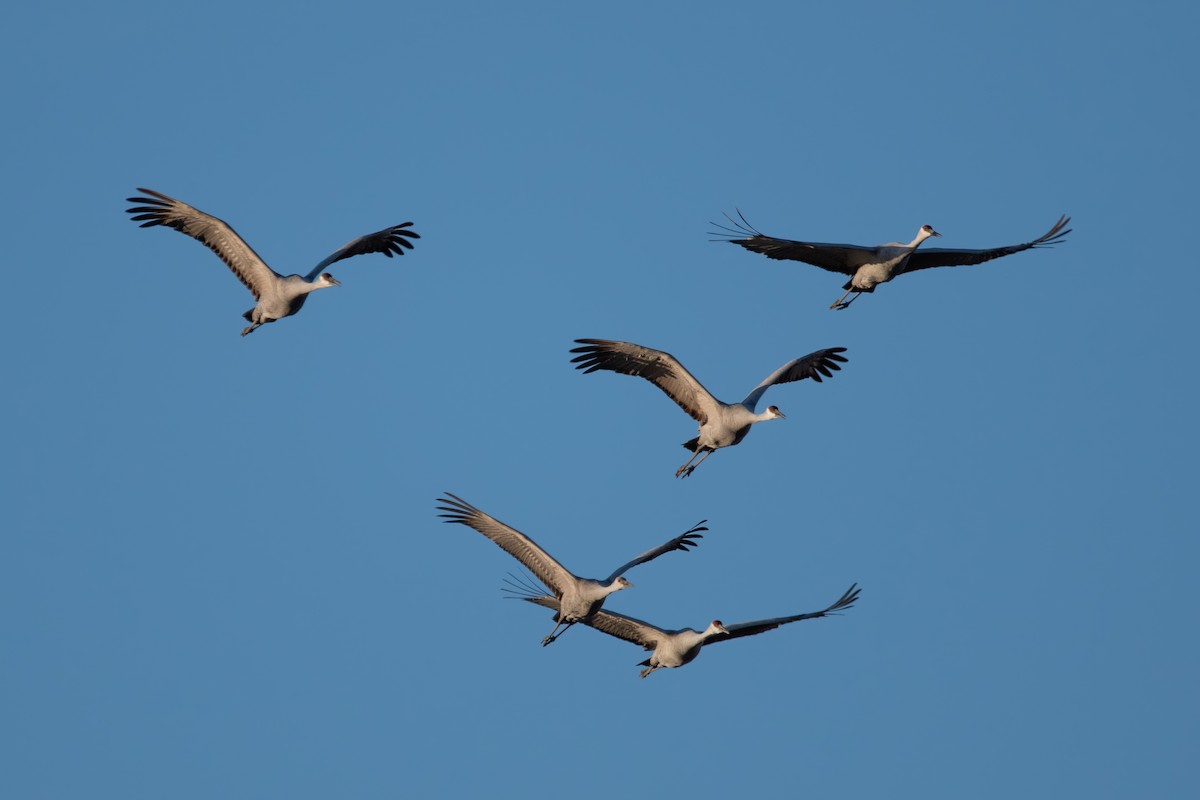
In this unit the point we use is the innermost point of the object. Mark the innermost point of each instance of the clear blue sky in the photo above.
(221, 573)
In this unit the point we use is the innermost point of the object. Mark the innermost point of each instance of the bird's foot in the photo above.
(548, 640)
(839, 306)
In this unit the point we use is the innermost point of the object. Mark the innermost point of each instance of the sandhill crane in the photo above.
(679, 647)
(578, 598)
(721, 424)
(871, 266)
(278, 296)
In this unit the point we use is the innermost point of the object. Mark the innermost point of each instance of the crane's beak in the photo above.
(935, 233)
(336, 282)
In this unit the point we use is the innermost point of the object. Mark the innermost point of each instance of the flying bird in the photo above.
(679, 647)
(721, 424)
(576, 599)
(278, 295)
(871, 266)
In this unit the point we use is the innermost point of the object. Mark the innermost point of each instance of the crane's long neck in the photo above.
(709, 632)
(768, 413)
(615, 585)
(922, 235)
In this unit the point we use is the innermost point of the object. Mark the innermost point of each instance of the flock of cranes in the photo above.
(581, 600)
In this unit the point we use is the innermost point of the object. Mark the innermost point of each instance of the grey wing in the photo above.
(553, 574)
(618, 625)
(389, 241)
(661, 369)
(623, 627)
(942, 257)
(215, 234)
(814, 365)
(740, 629)
(681, 542)
(843, 258)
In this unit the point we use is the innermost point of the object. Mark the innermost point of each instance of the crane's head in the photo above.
(621, 583)
(716, 627)
(927, 231)
(775, 413)
(325, 280)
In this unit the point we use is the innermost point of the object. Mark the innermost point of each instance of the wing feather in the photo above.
(943, 257)
(627, 628)
(740, 629)
(553, 574)
(661, 369)
(842, 258)
(814, 365)
(389, 241)
(622, 627)
(681, 542)
(213, 233)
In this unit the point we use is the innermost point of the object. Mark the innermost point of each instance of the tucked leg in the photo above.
(838, 304)
(554, 636)
(692, 468)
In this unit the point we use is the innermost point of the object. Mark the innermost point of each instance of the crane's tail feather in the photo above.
(521, 587)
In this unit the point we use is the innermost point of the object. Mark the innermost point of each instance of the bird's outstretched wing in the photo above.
(511, 540)
(924, 258)
(215, 234)
(814, 365)
(627, 628)
(739, 629)
(843, 258)
(622, 627)
(389, 241)
(661, 369)
(681, 542)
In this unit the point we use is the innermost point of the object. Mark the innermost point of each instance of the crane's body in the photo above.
(721, 424)
(869, 266)
(278, 295)
(577, 598)
(674, 648)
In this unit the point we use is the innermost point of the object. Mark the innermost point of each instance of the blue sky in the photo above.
(221, 571)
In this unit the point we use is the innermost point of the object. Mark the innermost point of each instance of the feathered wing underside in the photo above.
(943, 257)
(843, 258)
(553, 574)
(739, 629)
(389, 241)
(622, 627)
(627, 628)
(661, 369)
(822, 363)
(217, 235)
(681, 542)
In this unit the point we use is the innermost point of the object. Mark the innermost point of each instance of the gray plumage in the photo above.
(871, 266)
(578, 598)
(678, 647)
(721, 424)
(278, 295)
